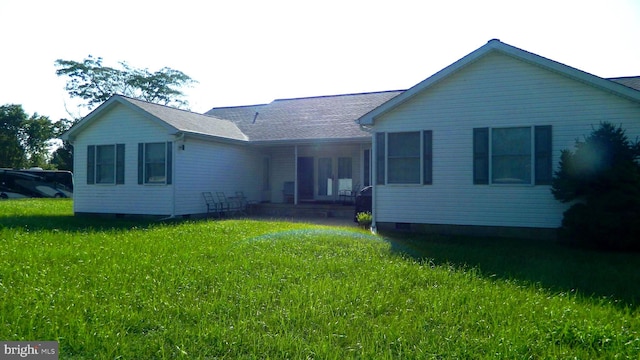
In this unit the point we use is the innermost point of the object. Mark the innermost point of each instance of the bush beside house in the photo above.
(602, 177)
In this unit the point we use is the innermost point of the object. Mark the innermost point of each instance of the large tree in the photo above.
(94, 83)
(601, 177)
(24, 139)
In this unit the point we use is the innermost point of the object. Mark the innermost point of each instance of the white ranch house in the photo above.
(471, 148)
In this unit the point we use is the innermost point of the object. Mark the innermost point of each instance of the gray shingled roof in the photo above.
(629, 81)
(322, 117)
(191, 122)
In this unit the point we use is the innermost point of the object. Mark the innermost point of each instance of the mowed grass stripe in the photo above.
(250, 289)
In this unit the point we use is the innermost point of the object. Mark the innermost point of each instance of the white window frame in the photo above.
(531, 181)
(99, 165)
(146, 180)
(421, 180)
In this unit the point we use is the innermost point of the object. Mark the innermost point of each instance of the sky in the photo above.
(245, 52)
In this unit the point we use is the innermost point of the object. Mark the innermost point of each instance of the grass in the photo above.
(595, 275)
(232, 289)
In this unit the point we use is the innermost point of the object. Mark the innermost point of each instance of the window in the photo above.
(404, 158)
(325, 177)
(366, 167)
(266, 174)
(154, 163)
(345, 179)
(511, 156)
(380, 158)
(517, 155)
(105, 164)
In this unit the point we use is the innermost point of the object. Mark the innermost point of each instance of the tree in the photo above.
(23, 140)
(602, 177)
(94, 83)
(62, 157)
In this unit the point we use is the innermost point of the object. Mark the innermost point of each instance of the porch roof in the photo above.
(313, 118)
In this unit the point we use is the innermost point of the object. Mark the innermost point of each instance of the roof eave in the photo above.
(209, 137)
(351, 140)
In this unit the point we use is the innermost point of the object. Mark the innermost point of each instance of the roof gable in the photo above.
(495, 46)
(172, 119)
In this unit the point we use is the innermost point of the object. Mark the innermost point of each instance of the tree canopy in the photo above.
(24, 139)
(94, 83)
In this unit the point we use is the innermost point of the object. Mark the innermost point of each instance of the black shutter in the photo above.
(543, 162)
(380, 158)
(140, 163)
(91, 164)
(427, 157)
(120, 164)
(169, 162)
(481, 156)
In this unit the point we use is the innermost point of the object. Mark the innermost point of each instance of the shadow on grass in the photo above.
(73, 223)
(606, 276)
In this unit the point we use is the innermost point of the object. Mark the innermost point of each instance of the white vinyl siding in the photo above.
(128, 198)
(215, 167)
(496, 91)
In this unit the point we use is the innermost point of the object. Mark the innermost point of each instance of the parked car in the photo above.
(363, 201)
(16, 184)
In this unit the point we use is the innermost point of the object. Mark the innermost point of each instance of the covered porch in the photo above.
(322, 175)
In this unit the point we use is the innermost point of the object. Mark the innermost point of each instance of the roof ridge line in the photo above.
(163, 105)
(338, 95)
(623, 77)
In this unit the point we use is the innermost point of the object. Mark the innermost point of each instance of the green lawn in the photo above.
(232, 289)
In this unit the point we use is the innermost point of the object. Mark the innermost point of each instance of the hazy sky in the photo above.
(248, 52)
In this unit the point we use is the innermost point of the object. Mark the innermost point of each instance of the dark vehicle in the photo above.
(15, 184)
(363, 202)
(61, 178)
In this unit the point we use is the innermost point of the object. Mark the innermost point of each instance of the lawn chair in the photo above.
(245, 203)
(212, 206)
(242, 201)
(348, 196)
(231, 206)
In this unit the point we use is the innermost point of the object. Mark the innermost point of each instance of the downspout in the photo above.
(295, 176)
(374, 182)
(374, 176)
(179, 137)
(173, 176)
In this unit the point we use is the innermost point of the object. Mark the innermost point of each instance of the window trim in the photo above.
(493, 156)
(168, 163)
(425, 158)
(541, 152)
(100, 149)
(118, 164)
